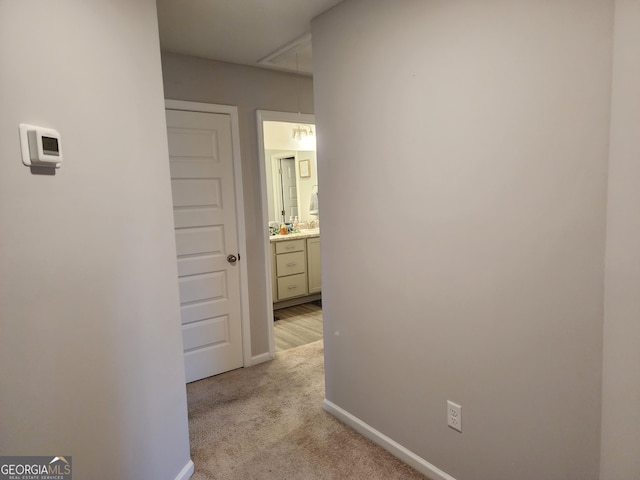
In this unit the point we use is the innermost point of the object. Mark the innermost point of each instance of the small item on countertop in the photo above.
(283, 229)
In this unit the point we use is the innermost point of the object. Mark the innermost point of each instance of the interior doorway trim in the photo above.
(232, 111)
(271, 116)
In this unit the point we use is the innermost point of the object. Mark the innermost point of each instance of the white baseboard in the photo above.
(186, 472)
(393, 447)
(263, 357)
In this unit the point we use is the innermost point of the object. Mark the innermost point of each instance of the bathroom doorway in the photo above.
(289, 181)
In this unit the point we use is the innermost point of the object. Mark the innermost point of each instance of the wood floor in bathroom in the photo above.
(297, 326)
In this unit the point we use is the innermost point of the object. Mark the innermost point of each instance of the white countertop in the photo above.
(314, 232)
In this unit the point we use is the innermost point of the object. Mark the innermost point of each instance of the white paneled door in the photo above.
(202, 182)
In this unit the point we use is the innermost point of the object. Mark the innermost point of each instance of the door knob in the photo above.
(232, 259)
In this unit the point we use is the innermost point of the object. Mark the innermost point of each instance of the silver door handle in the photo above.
(232, 259)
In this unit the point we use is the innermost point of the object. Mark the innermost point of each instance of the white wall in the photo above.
(621, 378)
(90, 350)
(250, 89)
(486, 287)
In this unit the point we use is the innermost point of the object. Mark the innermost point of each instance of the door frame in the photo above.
(232, 111)
(271, 116)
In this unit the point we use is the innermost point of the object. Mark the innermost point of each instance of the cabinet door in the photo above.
(313, 265)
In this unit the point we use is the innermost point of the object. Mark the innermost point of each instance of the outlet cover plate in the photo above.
(454, 416)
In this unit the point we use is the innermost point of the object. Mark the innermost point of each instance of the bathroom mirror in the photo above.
(291, 176)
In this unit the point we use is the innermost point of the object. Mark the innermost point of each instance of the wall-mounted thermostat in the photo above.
(41, 147)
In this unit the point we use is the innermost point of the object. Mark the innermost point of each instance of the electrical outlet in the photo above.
(454, 415)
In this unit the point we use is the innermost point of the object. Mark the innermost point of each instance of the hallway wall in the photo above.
(488, 291)
(90, 345)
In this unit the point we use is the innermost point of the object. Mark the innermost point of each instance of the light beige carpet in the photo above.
(267, 423)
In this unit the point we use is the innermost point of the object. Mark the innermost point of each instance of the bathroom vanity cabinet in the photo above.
(295, 265)
(313, 265)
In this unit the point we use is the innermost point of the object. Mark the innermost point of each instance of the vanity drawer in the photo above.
(290, 246)
(290, 263)
(292, 286)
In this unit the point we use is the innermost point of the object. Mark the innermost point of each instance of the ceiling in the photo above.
(272, 34)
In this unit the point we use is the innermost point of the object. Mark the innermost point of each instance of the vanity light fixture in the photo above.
(301, 132)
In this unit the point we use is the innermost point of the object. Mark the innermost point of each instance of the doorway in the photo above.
(288, 168)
